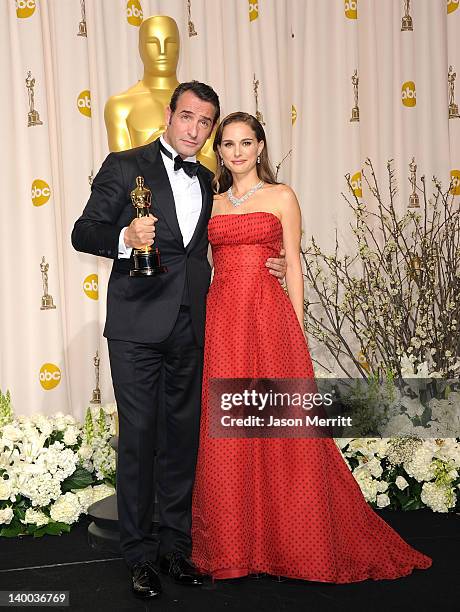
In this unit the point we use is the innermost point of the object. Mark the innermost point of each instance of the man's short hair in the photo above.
(202, 91)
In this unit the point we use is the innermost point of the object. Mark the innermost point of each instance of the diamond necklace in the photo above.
(248, 194)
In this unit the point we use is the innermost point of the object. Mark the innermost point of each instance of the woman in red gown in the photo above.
(282, 506)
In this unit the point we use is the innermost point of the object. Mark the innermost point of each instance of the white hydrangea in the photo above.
(6, 516)
(66, 509)
(401, 483)
(374, 467)
(36, 517)
(438, 498)
(85, 497)
(421, 465)
(41, 489)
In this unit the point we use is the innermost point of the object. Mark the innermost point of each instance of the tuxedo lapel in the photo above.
(156, 178)
(205, 213)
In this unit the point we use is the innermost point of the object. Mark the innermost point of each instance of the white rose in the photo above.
(401, 483)
(85, 451)
(6, 489)
(383, 500)
(11, 432)
(6, 515)
(70, 436)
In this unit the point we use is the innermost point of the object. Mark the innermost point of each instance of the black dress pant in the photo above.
(137, 372)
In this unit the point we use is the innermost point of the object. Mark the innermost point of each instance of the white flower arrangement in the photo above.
(405, 473)
(52, 468)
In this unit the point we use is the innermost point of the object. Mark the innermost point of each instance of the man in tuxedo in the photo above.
(155, 329)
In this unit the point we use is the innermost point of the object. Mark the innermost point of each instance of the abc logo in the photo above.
(25, 8)
(253, 10)
(84, 103)
(40, 192)
(455, 182)
(293, 114)
(408, 95)
(452, 5)
(351, 9)
(356, 185)
(50, 376)
(91, 286)
(134, 12)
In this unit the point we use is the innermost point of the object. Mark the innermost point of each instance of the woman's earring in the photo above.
(258, 159)
(221, 162)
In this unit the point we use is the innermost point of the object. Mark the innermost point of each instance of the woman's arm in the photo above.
(291, 222)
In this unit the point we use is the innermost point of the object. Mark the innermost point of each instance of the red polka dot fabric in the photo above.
(282, 506)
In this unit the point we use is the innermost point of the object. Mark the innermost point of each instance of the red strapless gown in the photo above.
(286, 506)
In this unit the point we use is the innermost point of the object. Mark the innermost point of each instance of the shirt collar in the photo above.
(173, 152)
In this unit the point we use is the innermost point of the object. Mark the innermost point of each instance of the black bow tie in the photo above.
(190, 168)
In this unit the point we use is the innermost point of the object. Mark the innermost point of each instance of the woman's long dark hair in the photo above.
(223, 178)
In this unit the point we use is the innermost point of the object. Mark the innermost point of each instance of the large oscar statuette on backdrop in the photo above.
(136, 116)
(147, 261)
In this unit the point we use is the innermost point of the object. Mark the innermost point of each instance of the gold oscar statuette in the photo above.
(147, 261)
(136, 116)
(82, 24)
(413, 198)
(355, 109)
(191, 27)
(96, 397)
(407, 25)
(33, 118)
(259, 116)
(453, 108)
(47, 299)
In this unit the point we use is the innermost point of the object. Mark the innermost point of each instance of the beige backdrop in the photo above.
(303, 52)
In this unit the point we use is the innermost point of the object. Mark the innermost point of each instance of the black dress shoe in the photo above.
(181, 569)
(145, 580)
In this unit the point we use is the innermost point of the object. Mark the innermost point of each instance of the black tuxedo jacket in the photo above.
(145, 309)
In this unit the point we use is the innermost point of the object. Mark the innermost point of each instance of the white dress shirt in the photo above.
(187, 197)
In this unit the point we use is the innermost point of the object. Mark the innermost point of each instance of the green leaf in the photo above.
(51, 529)
(10, 531)
(80, 479)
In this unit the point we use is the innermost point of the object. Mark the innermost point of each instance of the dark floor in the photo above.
(99, 581)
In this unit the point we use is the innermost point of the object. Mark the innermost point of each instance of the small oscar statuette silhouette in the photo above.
(191, 27)
(82, 24)
(413, 198)
(453, 108)
(147, 260)
(33, 118)
(47, 299)
(96, 398)
(407, 25)
(259, 116)
(355, 109)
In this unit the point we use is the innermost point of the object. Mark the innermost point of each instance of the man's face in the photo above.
(190, 125)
